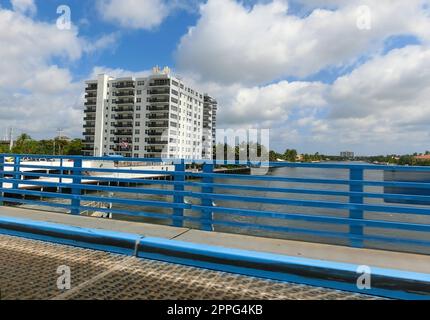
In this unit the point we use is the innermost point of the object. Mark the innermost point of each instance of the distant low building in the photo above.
(424, 157)
(347, 154)
(63, 138)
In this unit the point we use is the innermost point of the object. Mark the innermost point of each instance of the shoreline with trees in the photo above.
(24, 144)
(64, 146)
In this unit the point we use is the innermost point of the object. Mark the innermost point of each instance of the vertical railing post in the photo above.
(77, 171)
(356, 174)
(61, 175)
(208, 168)
(16, 169)
(179, 198)
(2, 168)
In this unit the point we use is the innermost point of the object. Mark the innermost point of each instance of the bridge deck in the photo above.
(371, 257)
(28, 267)
(28, 271)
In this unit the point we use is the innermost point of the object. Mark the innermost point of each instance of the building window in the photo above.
(137, 124)
(138, 108)
(137, 131)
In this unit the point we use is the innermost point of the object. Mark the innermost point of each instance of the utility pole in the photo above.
(59, 131)
(10, 139)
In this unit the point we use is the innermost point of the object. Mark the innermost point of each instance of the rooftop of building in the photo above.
(423, 157)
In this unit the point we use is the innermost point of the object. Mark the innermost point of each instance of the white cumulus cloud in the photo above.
(136, 14)
(232, 42)
(37, 95)
(24, 6)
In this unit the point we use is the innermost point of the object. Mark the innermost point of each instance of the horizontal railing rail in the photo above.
(340, 201)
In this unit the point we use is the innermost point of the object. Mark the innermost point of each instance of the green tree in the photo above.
(74, 148)
(24, 145)
(290, 155)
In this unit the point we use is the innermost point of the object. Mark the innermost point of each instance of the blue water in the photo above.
(289, 172)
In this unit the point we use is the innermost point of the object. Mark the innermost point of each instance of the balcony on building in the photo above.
(159, 91)
(123, 117)
(90, 109)
(153, 133)
(156, 141)
(159, 124)
(89, 125)
(159, 83)
(124, 85)
(124, 101)
(124, 109)
(122, 149)
(158, 99)
(157, 108)
(90, 118)
(119, 141)
(88, 133)
(91, 95)
(158, 116)
(124, 93)
(123, 132)
(153, 150)
(90, 103)
(123, 125)
(91, 87)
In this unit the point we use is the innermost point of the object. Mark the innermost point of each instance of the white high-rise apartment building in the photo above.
(157, 116)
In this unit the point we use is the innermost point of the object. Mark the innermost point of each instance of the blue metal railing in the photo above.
(343, 204)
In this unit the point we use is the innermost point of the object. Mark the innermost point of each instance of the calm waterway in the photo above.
(286, 172)
(314, 173)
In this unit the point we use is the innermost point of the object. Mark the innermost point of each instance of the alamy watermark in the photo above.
(364, 281)
(64, 21)
(249, 147)
(364, 18)
(244, 146)
(64, 281)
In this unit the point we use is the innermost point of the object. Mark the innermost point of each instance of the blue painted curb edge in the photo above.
(388, 283)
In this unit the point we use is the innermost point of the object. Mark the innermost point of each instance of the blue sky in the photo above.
(134, 50)
(313, 72)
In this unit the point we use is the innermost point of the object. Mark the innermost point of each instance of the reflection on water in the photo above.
(295, 224)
